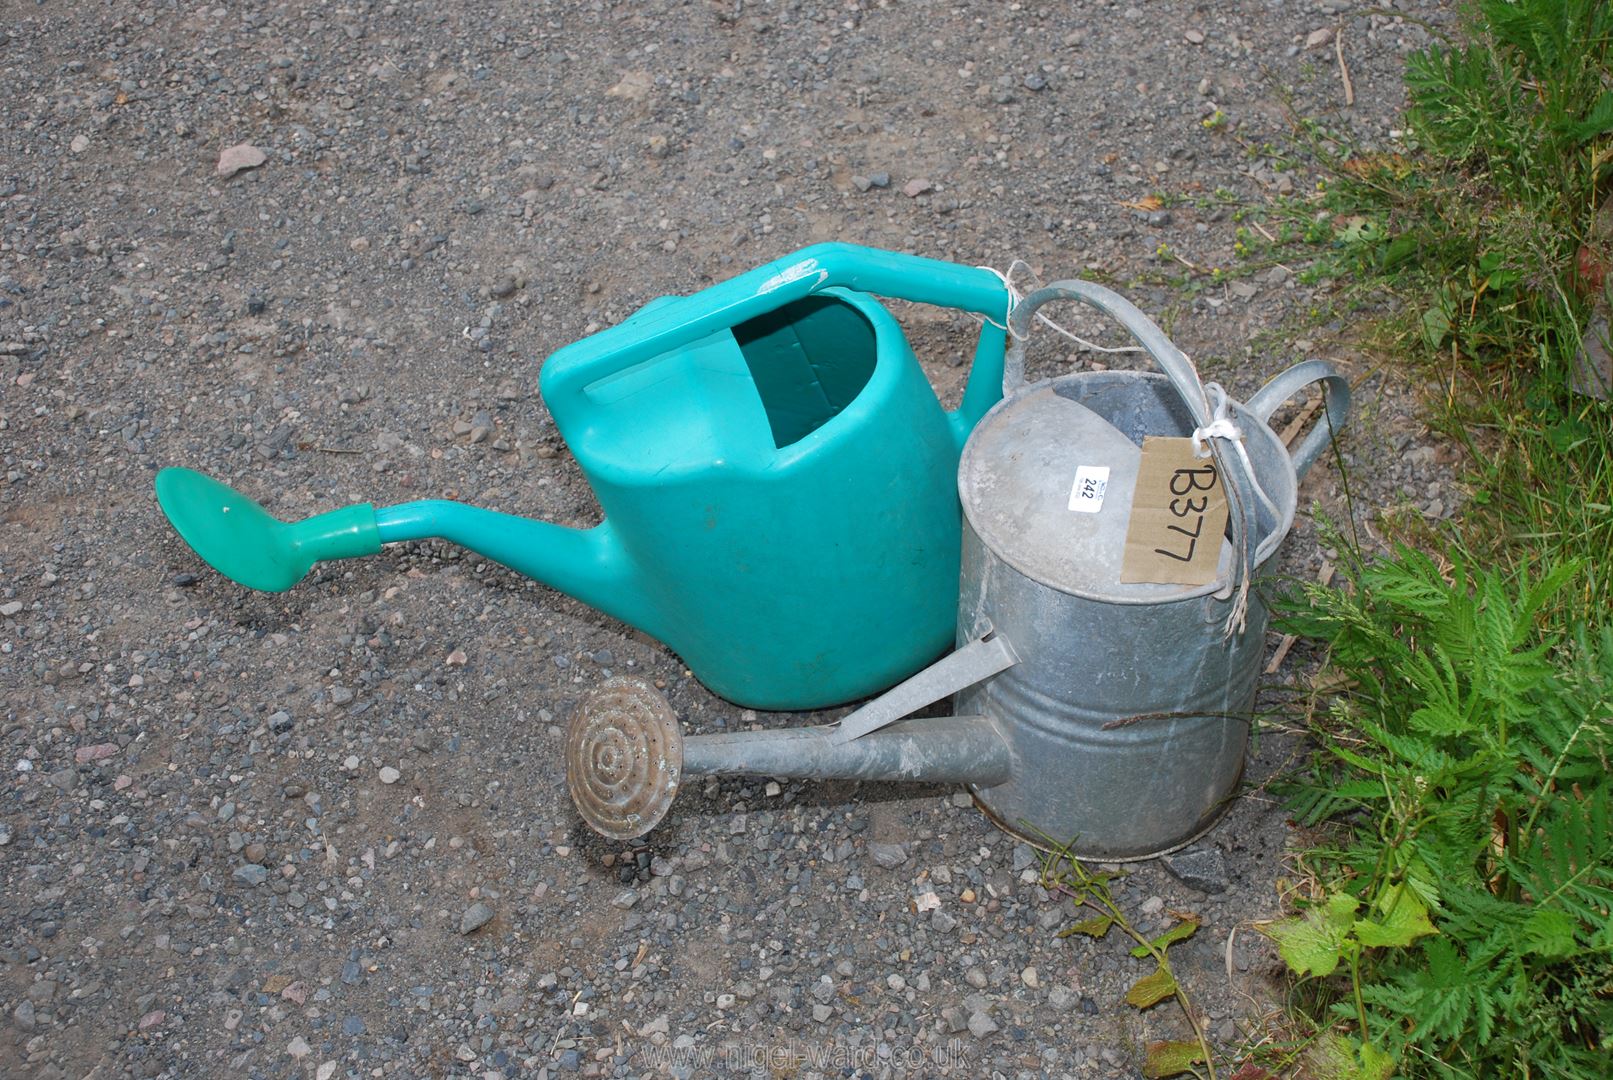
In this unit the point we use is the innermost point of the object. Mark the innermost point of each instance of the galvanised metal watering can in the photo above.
(1105, 716)
(776, 475)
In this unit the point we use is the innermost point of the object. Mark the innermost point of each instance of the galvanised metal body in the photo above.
(1110, 717)
(1128, 712)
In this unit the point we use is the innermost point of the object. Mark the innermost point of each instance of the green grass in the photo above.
(1456, 257)
(1459, 923)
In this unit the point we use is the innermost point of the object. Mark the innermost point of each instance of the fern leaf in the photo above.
(1549, 932)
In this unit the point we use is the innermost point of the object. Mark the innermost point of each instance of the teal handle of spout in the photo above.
(674, 323)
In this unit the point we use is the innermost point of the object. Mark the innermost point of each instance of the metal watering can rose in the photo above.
(775, 471)
(1112, 717)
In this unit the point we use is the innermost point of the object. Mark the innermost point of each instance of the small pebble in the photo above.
(251, 874)
(476, 916)
(237, 158)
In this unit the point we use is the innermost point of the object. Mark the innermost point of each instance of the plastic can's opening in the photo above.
(809, 360)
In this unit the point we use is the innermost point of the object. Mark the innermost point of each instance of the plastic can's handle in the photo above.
(1336, 406)
(686, 319)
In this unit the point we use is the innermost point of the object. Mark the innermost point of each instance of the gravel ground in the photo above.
(326, 832)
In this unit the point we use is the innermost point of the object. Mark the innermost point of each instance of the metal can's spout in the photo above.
(626, 757)
(964, 749)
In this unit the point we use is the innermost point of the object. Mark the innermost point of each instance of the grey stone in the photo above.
(1200, 867)
(250, 874)
(890, 856)
(476, 916)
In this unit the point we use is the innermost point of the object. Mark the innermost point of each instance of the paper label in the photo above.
(1178, 515)
(1091, 481)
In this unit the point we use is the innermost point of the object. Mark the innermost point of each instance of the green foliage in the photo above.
(1464, 247)
(1063, 873)
(1315, 942)
(1522, 94)
(1334, 1057)
(1467, 769)
(1511, 125)
(1461, 926)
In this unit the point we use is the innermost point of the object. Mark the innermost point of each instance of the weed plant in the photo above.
(1465, 906)
(1458, 923)
(1475, 234)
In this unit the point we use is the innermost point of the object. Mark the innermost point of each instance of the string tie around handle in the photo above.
(1015, 296)
(1222, 426)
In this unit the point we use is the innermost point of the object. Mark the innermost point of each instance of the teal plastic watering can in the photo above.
(777, 477)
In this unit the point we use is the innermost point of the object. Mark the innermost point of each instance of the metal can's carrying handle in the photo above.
(1171, 360)
(679, 322)
(1336, 405)
(1243, 515)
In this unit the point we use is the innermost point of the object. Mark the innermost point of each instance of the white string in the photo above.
(1014, 297)
(1221, 426)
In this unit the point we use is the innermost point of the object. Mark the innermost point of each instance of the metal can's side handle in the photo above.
(1336, 407)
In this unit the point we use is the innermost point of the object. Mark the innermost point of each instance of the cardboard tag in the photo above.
(1091, 483)
(1178, 516)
